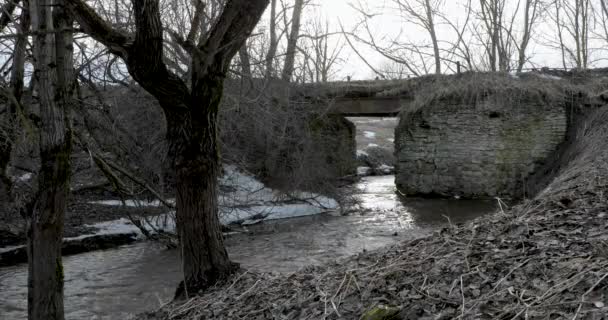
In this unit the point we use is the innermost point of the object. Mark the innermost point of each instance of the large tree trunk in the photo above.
(197, 164)
(53, 63)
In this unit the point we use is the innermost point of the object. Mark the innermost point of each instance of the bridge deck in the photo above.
(366, 107)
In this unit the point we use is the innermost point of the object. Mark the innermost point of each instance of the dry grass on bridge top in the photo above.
(462, 86)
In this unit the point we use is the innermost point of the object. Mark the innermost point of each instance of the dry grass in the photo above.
(500, 90)
(544, 259)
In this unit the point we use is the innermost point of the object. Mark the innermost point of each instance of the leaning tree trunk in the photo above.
(53, 63)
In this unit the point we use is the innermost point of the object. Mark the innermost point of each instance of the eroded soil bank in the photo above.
(546, 258)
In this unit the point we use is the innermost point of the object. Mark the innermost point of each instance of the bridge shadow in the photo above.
(434, 212)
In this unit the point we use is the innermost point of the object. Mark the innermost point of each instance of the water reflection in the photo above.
(112, 284)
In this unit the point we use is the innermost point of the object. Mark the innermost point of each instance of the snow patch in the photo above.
(548, 76)
(24, 177)
(369, 134)
(372, 145)
(361, 153)
(244, 199)
(131, 203)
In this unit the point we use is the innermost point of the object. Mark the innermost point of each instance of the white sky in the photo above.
(389, 25)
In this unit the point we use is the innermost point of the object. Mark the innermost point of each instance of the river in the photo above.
(113, 284)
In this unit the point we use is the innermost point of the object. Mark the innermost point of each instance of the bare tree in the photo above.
(423, 13)
(292, 41)
(245, 61)
(51, 26)
(604, 17)
(191, 115)
(321, 55)
(491, 16)
(14, 94)
(532, 13)
(573, 20)
(6, 10)
(274, 41)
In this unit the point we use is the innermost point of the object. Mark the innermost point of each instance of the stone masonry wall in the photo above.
(477, 150)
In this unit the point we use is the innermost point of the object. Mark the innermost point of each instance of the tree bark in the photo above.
(53, 63)
(433, 34)
(292, 42)
(274, 42)
(197, 167)
(529, 18)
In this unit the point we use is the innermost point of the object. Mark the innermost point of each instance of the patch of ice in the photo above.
(24, 177)
(361, 153)
(131, 203)
(369, 134)
(163, 222)
(11, 248)
(548, 76)
(246, 199)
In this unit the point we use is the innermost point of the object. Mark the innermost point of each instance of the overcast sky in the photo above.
(389, 25)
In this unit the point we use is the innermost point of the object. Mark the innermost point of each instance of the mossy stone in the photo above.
(382, 313)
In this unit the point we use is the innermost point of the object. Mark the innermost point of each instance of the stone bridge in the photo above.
(379, 98)
(470, 135)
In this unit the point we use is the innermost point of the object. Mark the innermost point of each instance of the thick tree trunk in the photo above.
(53, 63)
(197, 164)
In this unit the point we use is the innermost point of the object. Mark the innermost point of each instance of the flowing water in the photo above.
(116, 283)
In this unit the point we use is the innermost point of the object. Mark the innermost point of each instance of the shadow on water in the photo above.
(114, 283)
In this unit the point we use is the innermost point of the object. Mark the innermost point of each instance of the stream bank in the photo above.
(116, 283)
